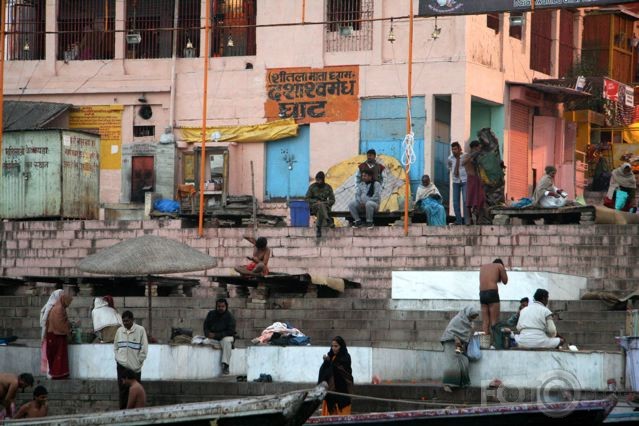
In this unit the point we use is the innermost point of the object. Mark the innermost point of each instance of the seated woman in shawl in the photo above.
(455, 340)
(336, 371)
(622, 184)
(429, 200)
(547, 194)
(58, 328)
(106, 319)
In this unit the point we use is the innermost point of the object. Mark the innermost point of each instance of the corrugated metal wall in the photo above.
(517, 172)
(80, 175)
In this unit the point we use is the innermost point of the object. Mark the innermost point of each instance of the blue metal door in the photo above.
(287, 166)
(442, 175)
(383, 127)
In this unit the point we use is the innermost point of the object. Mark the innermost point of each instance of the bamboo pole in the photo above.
(254, 202)
(205, 77)
(303, 11)
(2, 53)
(409, 95)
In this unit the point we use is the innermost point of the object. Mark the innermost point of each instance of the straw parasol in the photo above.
(146, 255)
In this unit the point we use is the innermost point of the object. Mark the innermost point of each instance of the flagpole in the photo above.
(205, 77)
(409, 94)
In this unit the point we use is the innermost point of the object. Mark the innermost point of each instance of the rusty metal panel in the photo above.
(40, 180)
(80, 175)
(31, 180)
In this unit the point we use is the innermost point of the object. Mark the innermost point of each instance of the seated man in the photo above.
(219, 325)
(514, 318)
(10, 384)
(320, 198)
(259, 260)
(367, 198)
(429, 200)
(547, 194)
(536, 326)
(36, 408)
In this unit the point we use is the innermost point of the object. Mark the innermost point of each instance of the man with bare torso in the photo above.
(10, 384)
(36, 408)
(489, 276)
(137, 395)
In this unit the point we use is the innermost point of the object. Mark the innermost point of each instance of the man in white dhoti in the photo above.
(547, 194)
(536, 326)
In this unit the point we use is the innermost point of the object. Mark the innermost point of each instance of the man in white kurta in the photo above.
(536, 326)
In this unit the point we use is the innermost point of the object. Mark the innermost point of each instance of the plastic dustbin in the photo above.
(300, 213)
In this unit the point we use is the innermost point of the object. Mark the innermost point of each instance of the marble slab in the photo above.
(464, 285)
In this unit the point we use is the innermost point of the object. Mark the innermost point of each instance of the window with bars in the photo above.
(540, 40)
(25, 30)
(492, 22)
(86, 29)
(348, 25)
(149, 28)
(234, 27)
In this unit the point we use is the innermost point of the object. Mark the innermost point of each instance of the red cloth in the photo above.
(57, 356)
(109, 300)
(474, 192)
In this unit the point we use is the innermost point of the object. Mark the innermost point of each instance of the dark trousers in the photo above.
(124, 389)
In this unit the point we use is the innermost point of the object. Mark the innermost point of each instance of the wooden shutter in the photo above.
(517, 171)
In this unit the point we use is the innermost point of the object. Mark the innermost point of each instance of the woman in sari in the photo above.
(44, 315)
(336, 371)
(622, 180)
(58, 328)
(429, 200)
(491, 168)
(455, 341)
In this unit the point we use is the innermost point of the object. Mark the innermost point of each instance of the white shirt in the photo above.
(462, 170)
(534, 317)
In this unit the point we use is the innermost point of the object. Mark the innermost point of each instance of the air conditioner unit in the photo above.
(133, 38)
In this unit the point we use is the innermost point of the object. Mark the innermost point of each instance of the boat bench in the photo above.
(584, 215)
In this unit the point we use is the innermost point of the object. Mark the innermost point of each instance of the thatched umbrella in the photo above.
(146, 255)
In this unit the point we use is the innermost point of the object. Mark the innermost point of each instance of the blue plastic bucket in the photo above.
(300, 214)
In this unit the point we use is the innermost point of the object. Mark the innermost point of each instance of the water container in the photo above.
(300, 213)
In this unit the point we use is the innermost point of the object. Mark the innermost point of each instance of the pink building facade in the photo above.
(462, 70)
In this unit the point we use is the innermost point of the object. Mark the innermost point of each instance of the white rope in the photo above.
(408, 153)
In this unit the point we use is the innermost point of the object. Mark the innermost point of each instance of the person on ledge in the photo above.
(10, 384)
(489, 275)
(455, 342)
(131, 346)
(219, 326)
(106, 320)
(320, 198)
(137, 395)
(57, 347)
(336, 371)
(259, 260)
(371, 165)
(547, 194)
(536, 327)
(368, 195)
(429, 200)
(36, 408)
(623, 186)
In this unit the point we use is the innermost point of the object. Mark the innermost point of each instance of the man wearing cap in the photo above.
(320, 198)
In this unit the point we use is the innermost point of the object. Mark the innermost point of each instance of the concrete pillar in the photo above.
(120, 19)
(554, 47)
(50, 38)
(429, 132)
(460, 117)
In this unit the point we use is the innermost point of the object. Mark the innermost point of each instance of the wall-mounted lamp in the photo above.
(26, 46)
(391, 33)
(189, 50)
(133, 38)
(436, 31)
(230, 42)
(516, 20)
(142, 99)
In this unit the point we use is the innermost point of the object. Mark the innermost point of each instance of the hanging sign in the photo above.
(475, 7)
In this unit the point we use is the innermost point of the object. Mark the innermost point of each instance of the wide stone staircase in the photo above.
(361, 322)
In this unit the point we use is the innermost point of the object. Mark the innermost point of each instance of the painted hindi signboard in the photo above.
(475, 7)
(311, 95)
(107, 121)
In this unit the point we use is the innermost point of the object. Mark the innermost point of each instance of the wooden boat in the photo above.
(289, 409)
(560, 413)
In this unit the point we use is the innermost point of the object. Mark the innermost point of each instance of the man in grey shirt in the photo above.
(367, 198)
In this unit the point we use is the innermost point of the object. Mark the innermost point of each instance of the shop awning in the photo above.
(557, 93)
(265, 132)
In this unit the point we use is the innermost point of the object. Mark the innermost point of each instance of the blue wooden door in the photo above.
(383, 127)
(280, 155)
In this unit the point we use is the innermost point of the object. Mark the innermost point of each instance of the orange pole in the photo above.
(409, 95)
(207, 32)
(303, 11)
(2, 17)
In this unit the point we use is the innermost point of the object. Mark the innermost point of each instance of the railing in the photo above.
(25, 28)
(86, 29)
(348, 27)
